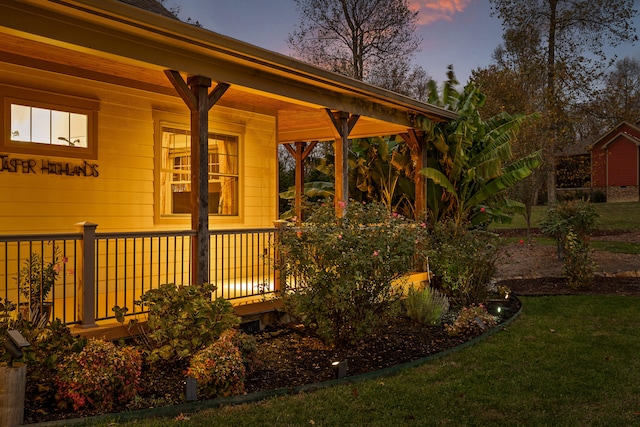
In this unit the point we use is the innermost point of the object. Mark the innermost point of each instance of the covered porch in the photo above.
(133, 67)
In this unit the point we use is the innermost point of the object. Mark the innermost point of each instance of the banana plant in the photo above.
(382, 169)
(470, 163)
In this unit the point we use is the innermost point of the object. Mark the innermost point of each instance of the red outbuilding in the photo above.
(615, 163)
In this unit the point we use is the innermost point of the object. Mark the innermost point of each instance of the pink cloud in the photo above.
(437, 10)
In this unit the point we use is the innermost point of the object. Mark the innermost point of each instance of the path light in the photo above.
(340, 369)
(14, 344)
(191, 389)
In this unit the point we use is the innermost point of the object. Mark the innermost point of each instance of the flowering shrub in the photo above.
(99, 377)
(184, 319)
(50, 344)
(338, 271)
(426, 306)
(219, 367)
(471, 320)
(578, 267)
(463, 261)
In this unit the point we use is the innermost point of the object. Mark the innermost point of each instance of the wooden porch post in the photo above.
(87, 284)
(415, 141)
(300, 153)
(195, 94)
(344, 123)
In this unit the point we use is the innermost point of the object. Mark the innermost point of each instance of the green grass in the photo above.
(617, 247)
(613, 216)
(566, 361)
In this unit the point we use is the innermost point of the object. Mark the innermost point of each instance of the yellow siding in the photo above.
(122, 196)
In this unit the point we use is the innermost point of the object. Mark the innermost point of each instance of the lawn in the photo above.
(613, 216)
(565, 361)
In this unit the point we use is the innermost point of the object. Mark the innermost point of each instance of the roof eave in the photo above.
(168, 43)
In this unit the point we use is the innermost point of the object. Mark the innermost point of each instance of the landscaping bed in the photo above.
(291, 356)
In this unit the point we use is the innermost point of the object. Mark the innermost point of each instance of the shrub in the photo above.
(578, 267)
(99, 377)
(471, 320)
(599, 197)
(50, 345)
(248, 346)
(579, 216)
(219, 367)
(184, 319)
(426, 306)
(339, 271)
(463, 261)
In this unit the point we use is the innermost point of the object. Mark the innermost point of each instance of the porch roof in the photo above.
(114, 42)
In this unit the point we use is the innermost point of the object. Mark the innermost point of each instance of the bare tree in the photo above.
(398, 76)
(355, 37)
(568, 39)
(619, 100)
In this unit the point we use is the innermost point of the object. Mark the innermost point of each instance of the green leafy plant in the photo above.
(426, 306)
(6, 322)
(50, 343)
(219, 367)
(463, 261)
(471, 320)
(574, 215)
(100, 376)
(470, 164)
(6, 310)
(578, 266)
(37, 277)
(338, 272)
(184, 319)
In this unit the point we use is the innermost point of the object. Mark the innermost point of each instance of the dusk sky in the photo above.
(458, 32)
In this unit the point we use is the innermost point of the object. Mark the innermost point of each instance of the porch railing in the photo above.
(122, 266)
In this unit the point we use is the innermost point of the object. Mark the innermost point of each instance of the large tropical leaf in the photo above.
(320, 189)
(440, 179)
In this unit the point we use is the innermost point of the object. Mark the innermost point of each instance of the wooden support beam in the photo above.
(415, 141)
(344, 123)
(195, 93)
(300, 154)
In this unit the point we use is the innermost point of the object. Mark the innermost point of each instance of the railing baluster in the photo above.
(122, 266)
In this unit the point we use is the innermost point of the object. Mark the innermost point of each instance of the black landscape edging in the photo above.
(175, 410)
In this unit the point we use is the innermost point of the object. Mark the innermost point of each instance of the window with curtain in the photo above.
(175, 177)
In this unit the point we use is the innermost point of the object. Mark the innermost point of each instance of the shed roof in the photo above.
(611, 136)
(123, 44)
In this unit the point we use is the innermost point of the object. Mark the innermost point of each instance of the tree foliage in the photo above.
(566, 39)
(510, 91)
(617, 101)
(354, 37)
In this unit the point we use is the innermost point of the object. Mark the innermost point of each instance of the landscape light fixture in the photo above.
(340, 368)
(14, 343)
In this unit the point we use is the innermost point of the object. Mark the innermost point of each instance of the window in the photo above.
(175, 179)
(42, 123)
(45, 126)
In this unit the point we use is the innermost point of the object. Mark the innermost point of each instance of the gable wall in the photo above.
(122, 196)
(601, 165)
(623, 163)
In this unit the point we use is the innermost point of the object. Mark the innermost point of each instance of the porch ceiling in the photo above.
(106, 40)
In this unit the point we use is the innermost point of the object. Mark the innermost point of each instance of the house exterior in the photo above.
(138, 150)
(615, 163)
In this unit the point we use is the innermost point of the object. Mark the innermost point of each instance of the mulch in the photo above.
(629, 286)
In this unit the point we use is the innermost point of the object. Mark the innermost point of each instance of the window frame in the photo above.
(51, 101)
(163, 120)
